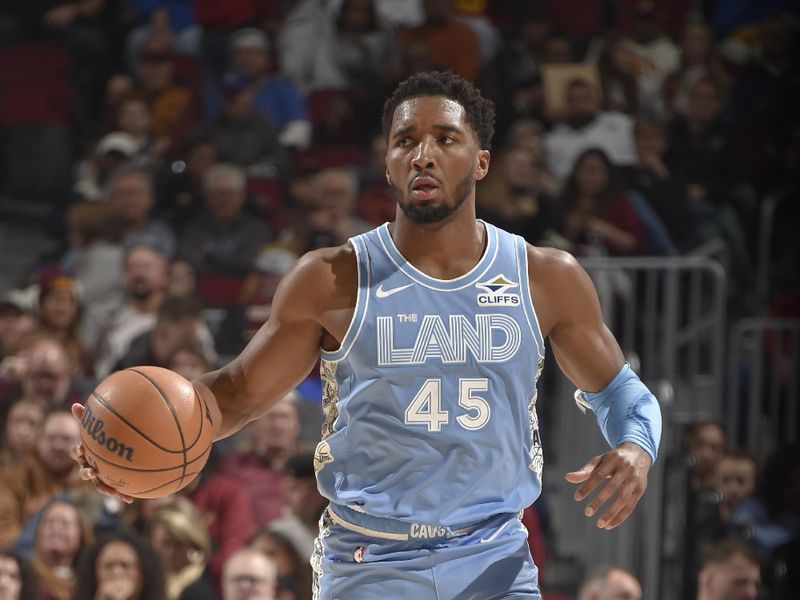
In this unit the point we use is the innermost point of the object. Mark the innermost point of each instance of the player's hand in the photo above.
(621, 475)
(86, 472)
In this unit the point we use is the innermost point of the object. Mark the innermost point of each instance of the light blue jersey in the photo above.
(430, 401)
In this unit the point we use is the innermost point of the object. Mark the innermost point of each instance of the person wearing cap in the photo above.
(112, 151)
(276, 97)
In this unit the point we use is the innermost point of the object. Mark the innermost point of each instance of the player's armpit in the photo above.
(286, 347)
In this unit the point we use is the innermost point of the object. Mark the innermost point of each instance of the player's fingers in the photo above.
(601, 472)
(109, 491)
(624, 494)
(607, 491)
(77, 411)
(610, 521)
(584, 472)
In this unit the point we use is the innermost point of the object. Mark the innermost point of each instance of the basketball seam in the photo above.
(105, 404)
(142, 469)
(158, 487)
(174, 418)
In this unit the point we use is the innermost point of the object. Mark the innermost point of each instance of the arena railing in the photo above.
(669, 316)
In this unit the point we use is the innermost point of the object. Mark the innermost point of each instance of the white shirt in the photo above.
(610, 131)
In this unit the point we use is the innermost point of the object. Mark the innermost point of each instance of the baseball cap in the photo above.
(116, 141)
(250, 37)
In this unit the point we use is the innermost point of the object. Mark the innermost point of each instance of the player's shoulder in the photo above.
(325, 270)
(551, 264)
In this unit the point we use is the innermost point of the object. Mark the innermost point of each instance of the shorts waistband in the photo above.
(393, 529)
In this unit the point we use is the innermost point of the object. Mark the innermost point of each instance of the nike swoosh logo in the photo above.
(493, 537)
(382, 293)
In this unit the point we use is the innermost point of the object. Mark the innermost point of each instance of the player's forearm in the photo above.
(230, 408)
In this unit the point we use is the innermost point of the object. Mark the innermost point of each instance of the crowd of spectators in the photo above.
(187, 152)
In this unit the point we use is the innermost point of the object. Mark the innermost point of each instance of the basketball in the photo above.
(146, 432)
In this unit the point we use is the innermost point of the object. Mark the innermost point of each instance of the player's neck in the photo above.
(443, 250)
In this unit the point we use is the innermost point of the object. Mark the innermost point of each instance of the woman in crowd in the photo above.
(294, 574)
(60, 316)
(22, 425)
(60, 538)
(16, 577)
(596, 210)
(118, 566)
(180, 539)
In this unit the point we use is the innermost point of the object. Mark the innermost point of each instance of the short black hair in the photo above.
(479, 111)
(725, 550)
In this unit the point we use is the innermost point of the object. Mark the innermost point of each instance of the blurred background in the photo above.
(164, 162)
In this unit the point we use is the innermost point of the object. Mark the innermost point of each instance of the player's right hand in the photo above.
(86, 472)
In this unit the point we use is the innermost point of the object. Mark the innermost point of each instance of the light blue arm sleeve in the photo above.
(626, 411)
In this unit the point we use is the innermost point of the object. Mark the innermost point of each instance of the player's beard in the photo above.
(434, 213)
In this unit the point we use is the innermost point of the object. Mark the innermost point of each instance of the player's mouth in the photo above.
(424, 187)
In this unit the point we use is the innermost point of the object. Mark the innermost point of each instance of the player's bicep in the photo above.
(585, 349)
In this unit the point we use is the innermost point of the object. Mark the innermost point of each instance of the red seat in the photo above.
(219, 290)
(36, 83)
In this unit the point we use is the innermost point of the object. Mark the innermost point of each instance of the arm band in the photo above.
(626, 411)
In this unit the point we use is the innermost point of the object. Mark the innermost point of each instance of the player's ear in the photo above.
(482, 166)
(388, 178)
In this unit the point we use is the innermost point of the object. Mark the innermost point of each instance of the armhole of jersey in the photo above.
(362, 300)
(525, 292)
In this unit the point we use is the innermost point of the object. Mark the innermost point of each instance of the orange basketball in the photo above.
(146, 432)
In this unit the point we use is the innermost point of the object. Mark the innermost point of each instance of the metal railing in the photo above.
(761, 410)
(668, 314)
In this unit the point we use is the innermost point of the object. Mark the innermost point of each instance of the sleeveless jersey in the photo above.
(430, 400)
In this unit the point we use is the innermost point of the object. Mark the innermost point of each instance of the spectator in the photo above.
(26, 487)
(585, 126)
(273, 96)
(447, 42)
(135, 119)
(618, 76)
(249, 574)
(130, 193)
(114, 150)
(223, 239)
(736, 481)
(730, 571)
(610, 583)
(294, 574)
(515, 195)
(771, 518)
(337, 195)
(180, 539)
(304, 505)
(145, 279)
(23, 425)
(179, 322)
(270, 440)
(241, 134)
(60, 317)
(182, 280)
(705, 446)
(305, 48)
(658, 54)
(705, 443)
(170, 23)
(120, 566)
(364, 49)
(17, 581)
(16, 321)
(179, 187)
(597, 212)
(255, 302)
(190, 361)
(664, 191)
(61, 536)
(42, 373)
(697, 62)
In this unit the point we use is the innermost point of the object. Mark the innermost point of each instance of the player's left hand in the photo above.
(623, 475)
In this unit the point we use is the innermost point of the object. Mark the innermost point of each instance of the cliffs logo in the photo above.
(498, 292)
(94, 428)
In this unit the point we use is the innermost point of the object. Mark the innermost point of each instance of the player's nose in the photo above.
(423, 155)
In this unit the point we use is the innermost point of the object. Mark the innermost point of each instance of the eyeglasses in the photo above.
(250, 580)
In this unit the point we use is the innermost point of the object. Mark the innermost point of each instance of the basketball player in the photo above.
(431, 335)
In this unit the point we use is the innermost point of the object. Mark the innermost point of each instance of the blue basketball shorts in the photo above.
(359, 557)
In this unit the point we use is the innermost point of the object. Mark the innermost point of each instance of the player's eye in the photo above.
(403, 142)
(446, 139)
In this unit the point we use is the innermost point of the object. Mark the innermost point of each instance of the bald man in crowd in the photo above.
(610, 583)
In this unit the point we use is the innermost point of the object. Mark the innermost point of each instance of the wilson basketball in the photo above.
(146, 432)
